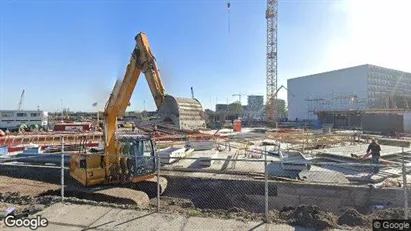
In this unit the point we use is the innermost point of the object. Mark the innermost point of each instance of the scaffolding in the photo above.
(336, 102)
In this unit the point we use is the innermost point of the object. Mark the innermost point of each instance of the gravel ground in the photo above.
(24, 186)
(27, 197)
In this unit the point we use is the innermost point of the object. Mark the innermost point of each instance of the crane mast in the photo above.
(271, 71)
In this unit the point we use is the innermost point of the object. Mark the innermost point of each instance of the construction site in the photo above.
(184, 167)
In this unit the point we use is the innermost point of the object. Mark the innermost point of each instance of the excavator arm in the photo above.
(142, 60)
(93, 170)
(150, 69)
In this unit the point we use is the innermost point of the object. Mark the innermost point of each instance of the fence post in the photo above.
(404, 183)
(62, 169)
(266, 183)
(158, 181)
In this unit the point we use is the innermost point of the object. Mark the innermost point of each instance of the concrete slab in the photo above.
(227, 164)
(138, 220)
(323, 176)
(50, 227)
(345, 151)
(58, 210)
(198, 223)
(85, 217)
(75, 214)
(171, 154)
(201, 145)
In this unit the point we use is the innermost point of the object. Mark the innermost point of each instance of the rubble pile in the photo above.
(352, 218)
(15, 198)
(308, 216)
(391, 213)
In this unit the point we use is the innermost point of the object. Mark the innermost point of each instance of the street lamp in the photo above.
(61, 104)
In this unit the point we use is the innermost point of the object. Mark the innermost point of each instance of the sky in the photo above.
(70, 53)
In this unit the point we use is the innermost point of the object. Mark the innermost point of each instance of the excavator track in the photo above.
(150, 186)
(139, 198)
(138, 194)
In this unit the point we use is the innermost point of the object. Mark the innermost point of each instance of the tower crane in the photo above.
(239, 96)
(271, 15)
(21, 101)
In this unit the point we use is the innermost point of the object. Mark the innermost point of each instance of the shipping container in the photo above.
(79, 127)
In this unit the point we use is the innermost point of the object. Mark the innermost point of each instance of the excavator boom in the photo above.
(133, 157)
(184, 113)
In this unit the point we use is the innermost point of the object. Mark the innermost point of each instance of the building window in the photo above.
(21, 114)
(7, 114)
(34, 114)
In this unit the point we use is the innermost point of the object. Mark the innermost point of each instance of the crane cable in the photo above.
(228, 7)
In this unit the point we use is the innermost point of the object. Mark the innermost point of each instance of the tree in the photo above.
(235, 108)
(282, 110)
(66, 111)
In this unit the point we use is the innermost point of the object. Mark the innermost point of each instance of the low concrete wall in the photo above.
(249, 195)
(334, 198)
(246, 194)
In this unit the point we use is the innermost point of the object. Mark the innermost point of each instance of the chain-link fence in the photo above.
(229, 180)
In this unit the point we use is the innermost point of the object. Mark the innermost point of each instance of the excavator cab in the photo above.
(136, 162)
(138, 155)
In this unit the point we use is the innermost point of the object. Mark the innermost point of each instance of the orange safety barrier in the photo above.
(92, 139)
(51, 139)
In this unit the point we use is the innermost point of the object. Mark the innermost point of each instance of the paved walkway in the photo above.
(84, 217)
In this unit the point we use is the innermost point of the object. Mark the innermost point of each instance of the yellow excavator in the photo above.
(130, 158)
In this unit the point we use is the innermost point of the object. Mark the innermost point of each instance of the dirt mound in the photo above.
(352, 217)
(232, 213)
(308, 216)
(391, 213)
(15, 198)
(213, 201)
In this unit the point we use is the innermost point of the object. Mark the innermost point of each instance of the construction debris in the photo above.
(309, 216)
(352, 217)
(390, 213)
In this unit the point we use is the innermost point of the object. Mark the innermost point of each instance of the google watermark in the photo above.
(401, 225)
(32, 223)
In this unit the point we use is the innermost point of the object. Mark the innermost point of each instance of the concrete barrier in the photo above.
(333, 198)
(201, 145)
(225, 191)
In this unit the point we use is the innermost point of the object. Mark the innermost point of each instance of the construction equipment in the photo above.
(129, 157)
(271, 15)
(21, 101)
(184, 113)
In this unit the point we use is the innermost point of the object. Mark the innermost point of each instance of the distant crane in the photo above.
(282, 86)
(192, 93)
(21, 101)
(239, 96)
(275, 95)
(271, 15)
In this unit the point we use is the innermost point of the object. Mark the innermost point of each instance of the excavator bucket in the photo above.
(184, 113)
